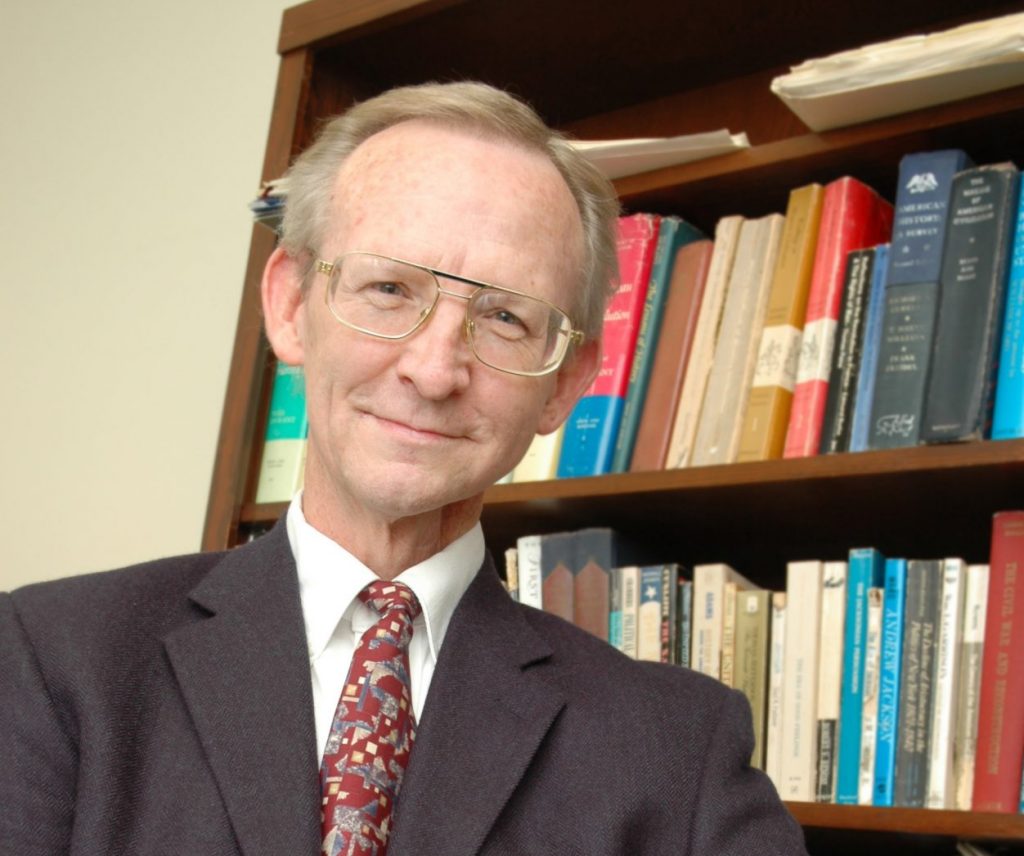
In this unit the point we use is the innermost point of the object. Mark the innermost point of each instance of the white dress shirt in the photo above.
(330, 578)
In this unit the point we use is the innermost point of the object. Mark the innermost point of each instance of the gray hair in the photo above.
(482, 109)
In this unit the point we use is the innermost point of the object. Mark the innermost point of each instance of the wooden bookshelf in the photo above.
(658, 67)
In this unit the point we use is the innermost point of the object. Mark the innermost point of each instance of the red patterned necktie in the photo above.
(373, 730)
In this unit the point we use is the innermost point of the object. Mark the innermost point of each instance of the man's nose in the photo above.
(438, 356)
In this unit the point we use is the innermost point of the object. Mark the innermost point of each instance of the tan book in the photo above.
(540, 462)
(684, 426)
(766, 419)
(728, 668)
(512, 572)
(776, 683)
(753, 626)
(707, 614)
(732, 368)
(830, 671)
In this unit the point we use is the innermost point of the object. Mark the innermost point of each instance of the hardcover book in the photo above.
(673, 233)
(708, 611)
(869, 708)
(596, 550)
(557, 561)
(911, 296)
(672, 356)
(630, 575)
(971, 653)
(648, 645)
(1008, 418)
(830, 670)
(684, 621)
(853, 217)
(890, 679)
(997, 772)
(776, 680)
(593, 426)
(767, 415)
(540, 462)
(753, 628)
(861, 419)
(284, 446)
(975, 261)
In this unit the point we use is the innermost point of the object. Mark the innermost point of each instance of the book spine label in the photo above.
(1008, 419)
(889, 681)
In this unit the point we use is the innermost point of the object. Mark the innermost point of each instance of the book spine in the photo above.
(911, 296)
(997, 773)
(615, 609)
(284, 445)
(890, 679)
(672, 356)
(752, 628)
(866, 569)
(861, 419)
(947, 670)
(684, 611)
(594, 555)
(869, 709)
(853, 217)
(800, 689)
(773, 738)
(512, 573)
(671, 233)
(528, 551)
(835, 431)
(961, 383)
(593, 426)
(728, 658)
(767, 415)
(540, 463)
(557, 558)
(684, 426)
(648, 646)
(973, 646)
(708, 588)
(1008, 418)
(630, 609)
(830, 667)
(924, 580)
(669, 584)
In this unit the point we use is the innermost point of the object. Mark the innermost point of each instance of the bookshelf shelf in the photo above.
(656, 68)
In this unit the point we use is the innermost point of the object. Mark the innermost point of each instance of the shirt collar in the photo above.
(330, 578)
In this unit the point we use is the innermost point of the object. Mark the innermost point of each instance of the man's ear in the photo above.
(281, 290)
(572, 381)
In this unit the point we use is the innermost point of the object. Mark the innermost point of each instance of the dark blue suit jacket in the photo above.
(167, 709)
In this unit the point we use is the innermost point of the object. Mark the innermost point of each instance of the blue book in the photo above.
(1008, 418)
(615, 608)
(869, 352)
(672, 234)
(866, 570)
(889, 681)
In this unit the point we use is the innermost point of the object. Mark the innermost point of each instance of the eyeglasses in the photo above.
(391, 299)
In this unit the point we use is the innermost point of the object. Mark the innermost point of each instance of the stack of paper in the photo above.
(905, 74)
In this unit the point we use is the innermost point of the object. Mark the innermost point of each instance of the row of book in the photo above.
(871, 680)
(842, 326)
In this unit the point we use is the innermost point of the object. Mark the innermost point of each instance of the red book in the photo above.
(1000, 747)
(853, 217)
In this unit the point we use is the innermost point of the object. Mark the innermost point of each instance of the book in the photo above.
(767, 415)
(920, 624)
(557, 566)
(708, 610)
(947, 672)
(705, 337)
(732, 368)
(684, 621)
(670, 574)
(975, 261)
(866, 570)
(1008, 416)
(540, 463)
(528, 560)
(890, 679)
(593, 425)
(800, 687)
(911, 295)
(846, 355)
(615, 608)
(861, 419)
(753, 628)
(284, 445)
(672, 356)
(512, 573)
(630, 575)
(648, 625)
(853, 217)
(596, 550)
(1000, 750)
(728, 659)
(773, 736)
(830, 670)
(673, 233)
(869, 708)
(971, 652)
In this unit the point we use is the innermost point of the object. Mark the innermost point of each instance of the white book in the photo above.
(630, 610)
(707, 614)
(869, 697)
(830, 677)
(540, 462)
(972, 647)
(512, 572)
(732, 367)
(528, 553)
(947, 672)
(800, 689)
(691, 397)
(776, 676)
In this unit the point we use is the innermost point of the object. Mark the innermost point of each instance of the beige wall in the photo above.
(131, 137)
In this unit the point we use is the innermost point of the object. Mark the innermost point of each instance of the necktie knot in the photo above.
(385, 597)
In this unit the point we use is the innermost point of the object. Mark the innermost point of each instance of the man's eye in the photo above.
(387, 288)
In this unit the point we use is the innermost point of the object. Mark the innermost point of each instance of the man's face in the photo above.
(399, 428)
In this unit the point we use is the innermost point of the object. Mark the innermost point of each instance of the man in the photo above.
(441, 278)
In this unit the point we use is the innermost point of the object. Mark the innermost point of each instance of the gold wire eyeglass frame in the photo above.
(569, 336)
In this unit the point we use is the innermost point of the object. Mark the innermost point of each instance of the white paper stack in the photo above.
(905, 74)
(618, 158)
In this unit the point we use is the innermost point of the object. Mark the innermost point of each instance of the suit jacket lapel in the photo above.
(485, 715)
(244, 674)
